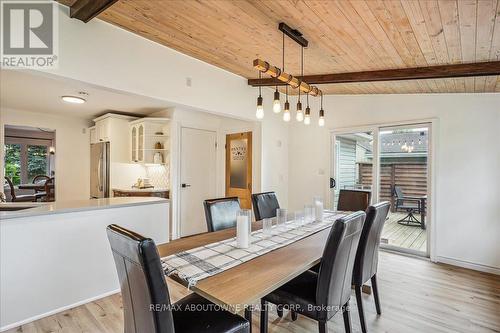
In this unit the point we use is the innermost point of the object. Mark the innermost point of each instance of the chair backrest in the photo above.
(50, 189)
(145, 297)
(398, 192)
(353, 200)
(40, 179)
(335, 272)
(366, 262)
(221, 213)
(12, 190)
(264, 205)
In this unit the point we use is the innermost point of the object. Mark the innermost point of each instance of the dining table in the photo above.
(40, 186)
(237, 288)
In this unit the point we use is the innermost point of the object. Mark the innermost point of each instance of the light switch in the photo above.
(321, 172)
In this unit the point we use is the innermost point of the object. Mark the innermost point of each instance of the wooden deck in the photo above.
(408, 237)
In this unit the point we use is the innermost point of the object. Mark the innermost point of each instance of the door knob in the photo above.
(333, 183)
(183, 185)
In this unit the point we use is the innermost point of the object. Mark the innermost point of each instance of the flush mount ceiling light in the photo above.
(75, 99)
(289, 80)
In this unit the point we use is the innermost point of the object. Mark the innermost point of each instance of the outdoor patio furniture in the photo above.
(412, 205)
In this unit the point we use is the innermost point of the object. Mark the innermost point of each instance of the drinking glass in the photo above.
(267, 227)
(299, 217)
(308, 214)
(281, 217)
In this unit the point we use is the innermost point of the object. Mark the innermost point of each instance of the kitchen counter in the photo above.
(59, 207)
(145, 190)
(62, 249)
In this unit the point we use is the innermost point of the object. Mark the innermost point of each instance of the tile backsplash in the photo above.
(159, 175)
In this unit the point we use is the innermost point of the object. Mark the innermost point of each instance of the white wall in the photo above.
(467, 187)
(72, 149)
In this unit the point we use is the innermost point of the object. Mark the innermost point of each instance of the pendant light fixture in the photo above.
(307, 116)
(300, 115)
(276, 102)
(286, 110)
(279, 74)
(259, 113)
(321, 120)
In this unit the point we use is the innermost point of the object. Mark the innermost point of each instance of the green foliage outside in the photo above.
(37, 162)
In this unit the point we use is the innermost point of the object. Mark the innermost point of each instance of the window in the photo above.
(27, 154)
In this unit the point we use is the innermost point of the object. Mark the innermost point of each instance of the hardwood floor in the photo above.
(408, 237)
(416, 296)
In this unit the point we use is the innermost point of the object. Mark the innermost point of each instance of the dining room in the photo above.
(331, 166)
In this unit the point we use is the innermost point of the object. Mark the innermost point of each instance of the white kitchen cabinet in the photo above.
(114, 128)
(149, 137)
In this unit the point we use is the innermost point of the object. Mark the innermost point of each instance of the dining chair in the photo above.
(265, 205)
(145, 295)
(365, 265)
(18, 198)
(353, 200)
(221, 213)
(50, 190)
(320, 296)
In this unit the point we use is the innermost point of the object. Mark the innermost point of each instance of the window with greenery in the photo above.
(37, 161)
(13, 162)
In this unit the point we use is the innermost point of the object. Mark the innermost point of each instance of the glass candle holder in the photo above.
(299, 217)
(243, 228)
(318, 208)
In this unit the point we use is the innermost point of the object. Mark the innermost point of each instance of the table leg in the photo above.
(248, 316)
(422, 212)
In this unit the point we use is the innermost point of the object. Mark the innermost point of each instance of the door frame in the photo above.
(433, 124)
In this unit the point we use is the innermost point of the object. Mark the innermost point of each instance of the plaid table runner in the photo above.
(204, 261)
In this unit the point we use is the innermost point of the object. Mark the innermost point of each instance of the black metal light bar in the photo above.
(294, 34)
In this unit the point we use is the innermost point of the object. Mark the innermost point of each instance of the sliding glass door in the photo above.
(392, 162)
(353, 162)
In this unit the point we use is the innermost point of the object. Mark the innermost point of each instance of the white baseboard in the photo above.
(468, 265)
(50, 313)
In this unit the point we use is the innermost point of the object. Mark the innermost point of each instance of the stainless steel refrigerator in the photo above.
(99, 170)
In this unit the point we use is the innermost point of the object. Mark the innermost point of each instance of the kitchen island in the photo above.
(54, 256)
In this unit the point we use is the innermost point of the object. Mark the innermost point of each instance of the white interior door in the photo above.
(198, 178)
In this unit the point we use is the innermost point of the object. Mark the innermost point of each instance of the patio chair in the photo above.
(411, 206)
(18, 198)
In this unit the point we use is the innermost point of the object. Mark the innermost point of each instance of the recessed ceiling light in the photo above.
(73, 99)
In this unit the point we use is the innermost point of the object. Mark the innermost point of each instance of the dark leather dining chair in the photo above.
(320, 295)
(146, 300)
(18, 198)
(353, 200)
(365, 265)
(264, 205)
(221, 213)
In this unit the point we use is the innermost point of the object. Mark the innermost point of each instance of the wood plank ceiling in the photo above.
(344, 36)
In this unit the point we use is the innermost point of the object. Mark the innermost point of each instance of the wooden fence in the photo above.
(411, 177)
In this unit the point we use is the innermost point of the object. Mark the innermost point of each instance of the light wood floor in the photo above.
(408, 237)
(416, 296)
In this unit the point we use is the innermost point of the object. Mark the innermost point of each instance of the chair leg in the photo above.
(294, 315)
(375, 293)
(248, 316)
(263, 316)
(322, 327)
(347, 318)
(357, 289)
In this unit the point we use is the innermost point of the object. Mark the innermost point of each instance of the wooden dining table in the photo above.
(239, 287)
(40, 186)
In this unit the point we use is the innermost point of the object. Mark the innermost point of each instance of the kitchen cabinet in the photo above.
(149, 140)
(93, 135)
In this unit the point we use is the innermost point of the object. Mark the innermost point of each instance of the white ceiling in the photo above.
(34, 92)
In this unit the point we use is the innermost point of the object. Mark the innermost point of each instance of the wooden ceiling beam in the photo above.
(418, 73)
(86, 10)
